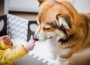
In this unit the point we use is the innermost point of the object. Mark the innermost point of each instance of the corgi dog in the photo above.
(67, 31)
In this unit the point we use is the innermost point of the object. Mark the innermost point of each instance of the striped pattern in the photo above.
(17, 27)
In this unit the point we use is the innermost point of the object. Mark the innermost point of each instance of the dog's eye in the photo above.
(46, 28)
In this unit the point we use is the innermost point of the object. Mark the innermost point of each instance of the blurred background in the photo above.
(24, 8)
(29, 8)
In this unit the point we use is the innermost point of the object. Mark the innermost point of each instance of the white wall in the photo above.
(32, 5)
(21, 5)
(24, 5)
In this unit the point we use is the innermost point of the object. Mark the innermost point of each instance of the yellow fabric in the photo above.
(8, 55)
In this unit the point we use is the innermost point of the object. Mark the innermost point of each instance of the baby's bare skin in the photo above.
(6, 39)
(30, 45)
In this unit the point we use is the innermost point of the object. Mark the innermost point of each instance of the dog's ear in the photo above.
(40, 1)
(62, 21)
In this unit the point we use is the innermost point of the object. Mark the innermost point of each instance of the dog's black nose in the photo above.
(35, 39)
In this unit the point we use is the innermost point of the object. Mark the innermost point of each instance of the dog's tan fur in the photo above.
(49, 12)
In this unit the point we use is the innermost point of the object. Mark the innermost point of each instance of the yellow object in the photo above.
(8, 55)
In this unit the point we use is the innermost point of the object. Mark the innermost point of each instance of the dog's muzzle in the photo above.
(35, 38)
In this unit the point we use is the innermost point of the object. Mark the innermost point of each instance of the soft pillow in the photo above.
(17, 27)
(3, 25)
(32, 26)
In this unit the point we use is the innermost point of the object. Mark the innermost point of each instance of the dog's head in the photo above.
(57, 20)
